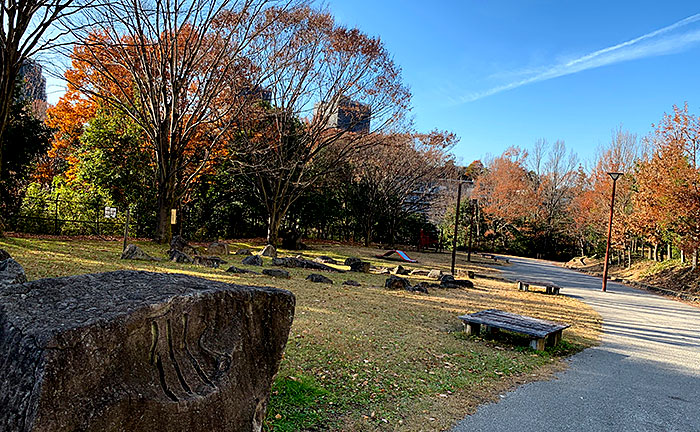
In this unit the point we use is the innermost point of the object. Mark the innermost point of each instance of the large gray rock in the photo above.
(179, 244)
(4, 255)
(218, 248)
(396, 283)
(11, 272)
(349, 261)
(133, 252)
(179, 257)
(139, 351)
(269, 251)
(359, 266)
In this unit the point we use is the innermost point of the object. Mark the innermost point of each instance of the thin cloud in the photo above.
(665, 40)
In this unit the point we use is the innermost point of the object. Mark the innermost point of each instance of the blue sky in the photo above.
(500, 73)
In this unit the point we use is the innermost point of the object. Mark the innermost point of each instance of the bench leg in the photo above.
(537, 344)
(490, 331)
(472, 329)
(523, 286)
(554, 339)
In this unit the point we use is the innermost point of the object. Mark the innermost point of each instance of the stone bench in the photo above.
(542, 333)
(549, 287)
(137, 351)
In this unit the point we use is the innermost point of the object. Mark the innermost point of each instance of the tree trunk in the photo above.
(274, 221)
(629, 257)
(682, 257)
(166, 202)
(669, 254)
(656, 252)
(695, 259)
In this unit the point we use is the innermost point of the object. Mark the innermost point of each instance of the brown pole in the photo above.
(471, 231)
(607, 248)
(454, 238)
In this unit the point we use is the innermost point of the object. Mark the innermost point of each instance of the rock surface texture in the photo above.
(139, 351)
(4, 255)
(218, 248)
(317, 278)
(254, 260)
(11, 272)
(133, 252)
(269, 251)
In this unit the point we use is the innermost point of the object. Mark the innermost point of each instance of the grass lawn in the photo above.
(364, 358)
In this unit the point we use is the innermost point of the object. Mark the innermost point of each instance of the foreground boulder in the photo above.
(139, 351)
(133, 252)
(11, 272)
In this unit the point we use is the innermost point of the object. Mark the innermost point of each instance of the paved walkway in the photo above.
(645, 375)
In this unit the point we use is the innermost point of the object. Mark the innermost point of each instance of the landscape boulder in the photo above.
(298, 262)
(133, 252)
(277, 273)
(218, 248)
(208, 261)
(237, 270)
(11, 272)
(351, 282)
(253, 260)
(396, 283)
(350, 261)
(400, 270)
(435, 274)
(139, 351)
(448, 281)
(269, 251)
(179, 257)
(318, 278)
(244, 252)
(419, 272)
(325, 260)
(421, 288)
(360, 267)
(4, 255)
(179, 244)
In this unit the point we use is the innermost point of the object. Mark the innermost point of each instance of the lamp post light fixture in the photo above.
(614, 176)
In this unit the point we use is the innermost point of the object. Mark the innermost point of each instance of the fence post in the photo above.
(97, 221)
(55, 217)
(126, 228)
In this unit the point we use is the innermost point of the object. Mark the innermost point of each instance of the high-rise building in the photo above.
(347, 115)
(34, 88)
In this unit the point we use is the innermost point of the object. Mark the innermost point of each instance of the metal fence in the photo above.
(59, 216)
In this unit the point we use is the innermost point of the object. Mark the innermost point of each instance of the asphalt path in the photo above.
(644, 376)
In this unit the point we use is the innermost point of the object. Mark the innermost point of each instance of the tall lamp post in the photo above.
(614, 176)
(454, 238)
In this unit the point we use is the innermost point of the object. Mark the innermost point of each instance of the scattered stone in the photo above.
(4, 255)
(296, 262)
(396, 283)
(244, 252)
(448, 281)
(179, 257)
(470, 274)
(384, 270)
(318, 278)
(351, 260)
(417, 288)
(419, 272)
(218, 248)
(435, 274)
(254, 260)
(179, 244)
(359, 266)
(427, 285)
(139, 351)
(325, 260)
(237, 270)
(11, 272)
(351, 283)
(133, 252)
(269, 251)
(400, 270)
(277, 273)
(208, 261)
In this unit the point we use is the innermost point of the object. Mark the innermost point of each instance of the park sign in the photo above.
(110, 212)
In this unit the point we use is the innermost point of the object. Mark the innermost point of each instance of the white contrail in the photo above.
(653, 43)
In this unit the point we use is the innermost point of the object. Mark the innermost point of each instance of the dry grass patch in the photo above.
(363, 358)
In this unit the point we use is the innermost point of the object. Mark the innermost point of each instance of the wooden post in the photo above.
(55, 217)
(454, 238)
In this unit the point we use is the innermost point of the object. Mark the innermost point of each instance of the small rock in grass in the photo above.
(360, 267)
(4, 255)
(208, 261)
(179, 243)
(325, 260)
(435, 274)
(277, 273)
(419, 272)
(179, 257)
(418, 288)
(317, 278)
(350, 261)
(254, 260)
(218, 248)
(400, 270)
(237, 270)
(396, 283)
(133, 252)
(351, 283)
(244, 252)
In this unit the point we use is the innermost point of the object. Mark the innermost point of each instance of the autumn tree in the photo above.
(177, 70)
(332, 91)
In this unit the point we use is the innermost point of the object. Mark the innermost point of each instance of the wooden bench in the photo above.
(549, 287)
(542, 333)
